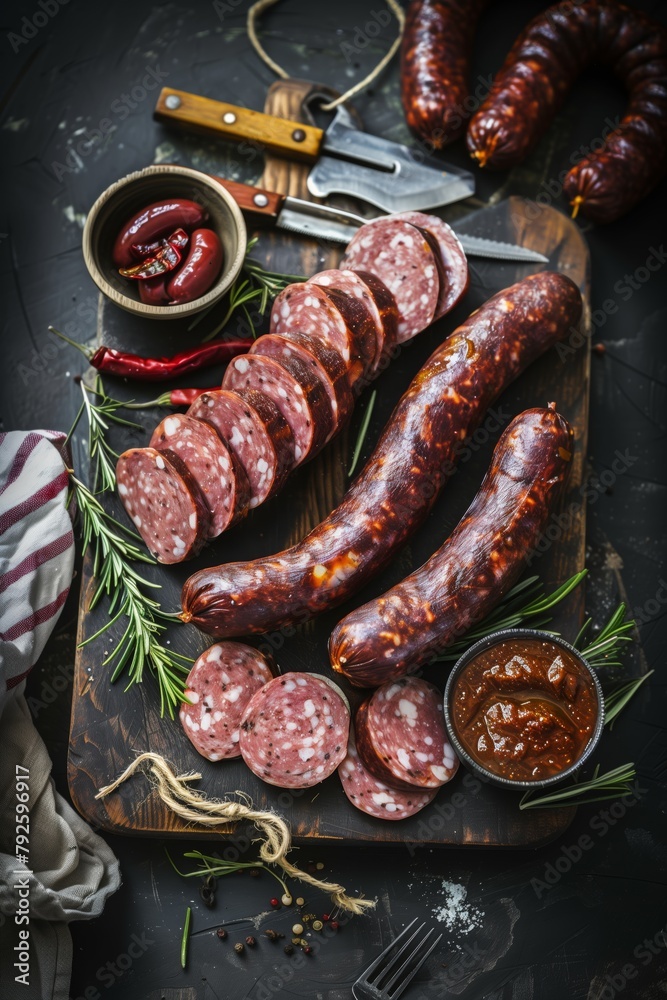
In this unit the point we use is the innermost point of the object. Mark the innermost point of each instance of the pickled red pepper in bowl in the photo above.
(169, 252)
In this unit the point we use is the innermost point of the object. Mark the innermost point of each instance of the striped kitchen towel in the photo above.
(36, 550)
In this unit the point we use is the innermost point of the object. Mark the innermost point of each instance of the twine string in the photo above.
(195, 807)
(260, 6)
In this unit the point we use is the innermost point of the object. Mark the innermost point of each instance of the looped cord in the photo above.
(258, 8)
(193, 806)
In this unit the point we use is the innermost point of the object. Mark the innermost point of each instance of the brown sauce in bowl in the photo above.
(524, 709)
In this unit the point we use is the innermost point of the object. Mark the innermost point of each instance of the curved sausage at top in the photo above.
(536, 78)
(400, 482)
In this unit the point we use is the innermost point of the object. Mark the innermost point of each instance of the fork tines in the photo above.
(389, 981)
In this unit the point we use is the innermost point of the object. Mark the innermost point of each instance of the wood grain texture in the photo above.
(109, 725)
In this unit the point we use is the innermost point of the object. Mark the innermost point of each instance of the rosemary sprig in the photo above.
(363, 430)
(607, 641)
(100, 413)
(616, 700)
(255, 284)
(114, 549)
(211, 865)
(526, 602)
(611, 785)
(185, 939)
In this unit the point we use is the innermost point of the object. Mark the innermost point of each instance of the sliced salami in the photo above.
(401, 737)
(374, 797)
(307, 308)
(256, 433)
(354, 302)
(386, 318)
(224, 485)
(450, 258)
(327, 363)
(218, 688)
(297, 392)
(399, 255)
(167, 508)
(294, 730)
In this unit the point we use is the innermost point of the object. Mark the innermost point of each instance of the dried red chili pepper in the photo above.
(167, 258)
(112, 362)
(179, 239)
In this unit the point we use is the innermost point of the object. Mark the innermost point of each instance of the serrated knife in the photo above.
(324, 222)
(393, 177)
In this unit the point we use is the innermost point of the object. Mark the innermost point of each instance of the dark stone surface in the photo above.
(514, 937)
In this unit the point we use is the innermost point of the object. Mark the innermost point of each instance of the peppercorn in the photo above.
(288, 949)
(325, 917)
(239, 948)
(222, 933)
(599, 348)
(296, 940)
(333, 924)
(286, 899)
(307, 950)
(303, 943)
(317, 925)
(275, 903)
(297, 929)
(300, 900)
(255, 873)
(250, 941)
(319, 866)
(207, 896)
(271, 935)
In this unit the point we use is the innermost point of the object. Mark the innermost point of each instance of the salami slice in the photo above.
(307, 308)
(297, 392)
(294, 730)
(401, 736)
(168, 510)
(353, 300)
(219, 686)
(404, 261)
(256, 433)
(450, 258)
(386, 318)
(326, 362)
(224, 485)
(374, 797)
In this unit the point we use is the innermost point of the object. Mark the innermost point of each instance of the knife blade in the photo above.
(338, 226)
(386, 174)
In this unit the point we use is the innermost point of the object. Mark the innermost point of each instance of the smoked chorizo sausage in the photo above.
(538, 74)
(435, 56)
(400, 482)
(409, 625)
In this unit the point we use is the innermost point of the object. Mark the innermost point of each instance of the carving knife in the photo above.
(346, 160)
(324, 222)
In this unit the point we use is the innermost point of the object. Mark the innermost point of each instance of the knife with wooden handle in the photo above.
(266, 208)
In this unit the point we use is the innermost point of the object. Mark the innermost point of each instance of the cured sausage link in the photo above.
(400, 482)
(539, 72)
(435, 57)
(414, 621)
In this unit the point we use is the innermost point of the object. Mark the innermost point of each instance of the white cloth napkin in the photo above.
(53, 869)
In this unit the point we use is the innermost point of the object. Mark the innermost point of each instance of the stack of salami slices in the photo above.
(282, 402)
(398, 756)
(293, 731)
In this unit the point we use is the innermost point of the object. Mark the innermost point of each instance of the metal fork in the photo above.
(380, 981)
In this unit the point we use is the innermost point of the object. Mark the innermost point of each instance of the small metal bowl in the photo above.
(130, 195)
(482, 646)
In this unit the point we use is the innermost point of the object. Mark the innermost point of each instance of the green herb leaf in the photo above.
(185, 940)
(363, 430)
(612, 785)
(608, 641)
(616, 700)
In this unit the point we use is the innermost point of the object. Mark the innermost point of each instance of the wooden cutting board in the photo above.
(109, 725)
